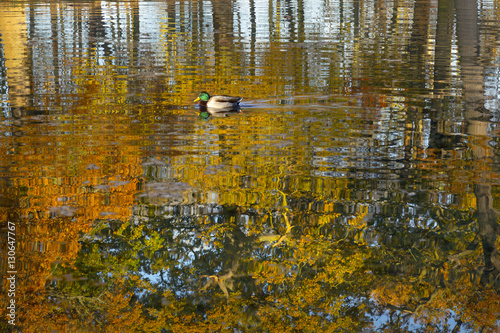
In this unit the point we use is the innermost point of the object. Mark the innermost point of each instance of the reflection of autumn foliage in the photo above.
(308, 288)
(428, 304)
(436, 298)
(52, 207)
(258, 222)
(479, 308)
(304, 290)
(109, 311)
(398, 295)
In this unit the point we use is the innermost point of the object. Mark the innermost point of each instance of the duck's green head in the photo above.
(203, 96)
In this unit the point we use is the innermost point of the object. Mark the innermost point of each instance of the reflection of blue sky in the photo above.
(385, 320)
(244, 22)
(321, 20)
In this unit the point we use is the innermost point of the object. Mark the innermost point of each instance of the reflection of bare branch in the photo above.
(220, 281)
(83, 305)
(279, 239)
(225, 281)
(81, 299)
(426, 300)
(421, 303)
(457, 327)
(470, 248)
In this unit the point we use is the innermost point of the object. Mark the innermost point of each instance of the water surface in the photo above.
(355, 190)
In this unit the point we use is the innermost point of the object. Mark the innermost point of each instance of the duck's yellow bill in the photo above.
(197, 99)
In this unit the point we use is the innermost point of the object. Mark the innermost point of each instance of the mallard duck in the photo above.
(217, 102)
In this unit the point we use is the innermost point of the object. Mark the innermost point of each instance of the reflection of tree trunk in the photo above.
(253, 37)
(223, 33)
(473, 93)
(135, 85)
(223, 16)
(54, 22)
(300, 37)
(489, 228)
(96, 28)
(419, 39)
(468, 47)
(223, 24)
(442, 58)
(14, 36)
(442, 73)
(472, 77)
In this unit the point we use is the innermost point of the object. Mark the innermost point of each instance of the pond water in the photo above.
(355, 189)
